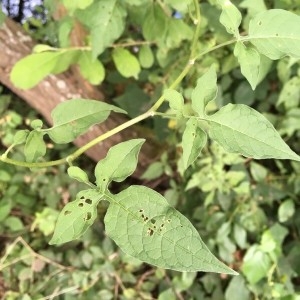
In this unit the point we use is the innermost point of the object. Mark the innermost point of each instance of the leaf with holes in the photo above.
(230, 17)
(145, 226)
(193, 141)
(276, 33)
(35, 146)
(239, 128)
(76, 217)
(119, 163)
(74, 117)
(205, 91)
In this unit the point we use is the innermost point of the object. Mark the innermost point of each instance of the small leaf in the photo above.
(36, 124)
(290, 94)
(72, 5)
(175, 99)
(146, 57)
(155, 23)
(76, 217)
(230, 17)
(42, 48)
(239, 128)
(119, 163)
(20, 137)
(78, 174)
(286, 210)
(91, 70)
(35, 146)
(106, 21)
(74, 117)
(126, 63)
(249, 59)
(205, 91)
(193, 141)
(276, 33)
(144, 226)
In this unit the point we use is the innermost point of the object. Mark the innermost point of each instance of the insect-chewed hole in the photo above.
(80, 204)
(146, 219)
(67, 212)
(162, 225)
(169, 220)
(88, 201)
(260, 22)
(153, 221)
(88, 216)
(82, 197)
(141, 210)
(150, 231)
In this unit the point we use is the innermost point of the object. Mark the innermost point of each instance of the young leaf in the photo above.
(21, 136)
(35, 146)
(249, 59)
(76, 217)
(74, 117)
(91, 70)
(31, 69)
(105, 19)
(175, 99)
(230, 17)
(205, 91)
(78, 174)
(193, 141)
(126, 63)
(276, 33)
(155, 23)
(146, 57)
(143, 225)
(239, 128)
(119, 163)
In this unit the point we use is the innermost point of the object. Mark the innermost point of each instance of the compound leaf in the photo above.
(276, 33)
(239, 128)
(126, 63)
(74, 117)
(193, 141)
(144, 226)
(35, 146)
(205, 91)
(76, 217)
(119, 163)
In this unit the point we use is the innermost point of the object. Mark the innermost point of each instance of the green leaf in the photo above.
(144, 226)
(91, 70)
(21, 136)
(249, 60)
(230, 17)
(35, 146)
(31, 69)
(106, 21)
(237, 289)
(76, 217)
(2, 17)
(146, 57)
(119, 163)
(276, 33)
(126, 63)
(286, 210)
(74, 117)
(155, 23)
(205, 91)
(39, 48)
(290, 94)
(78, 174)
(193, 141)
(239, 128)
(175, 99)
(72, 5)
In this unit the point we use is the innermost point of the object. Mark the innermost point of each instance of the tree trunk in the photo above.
(15, 43)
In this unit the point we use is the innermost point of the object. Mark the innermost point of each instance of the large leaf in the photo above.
(276, 33)
(31, 69)
(249, 60)
(230, 17)
(193, 141)
(35, 146)
(126, 63)
(239, 128)
(205, 91)
(119, 163)
(105, 19)
(76, 217)
(144, 226)
(74, 117)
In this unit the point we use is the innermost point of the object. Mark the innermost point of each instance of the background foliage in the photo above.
(246, 211)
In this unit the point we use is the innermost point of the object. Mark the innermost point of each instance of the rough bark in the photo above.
(15, 43)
